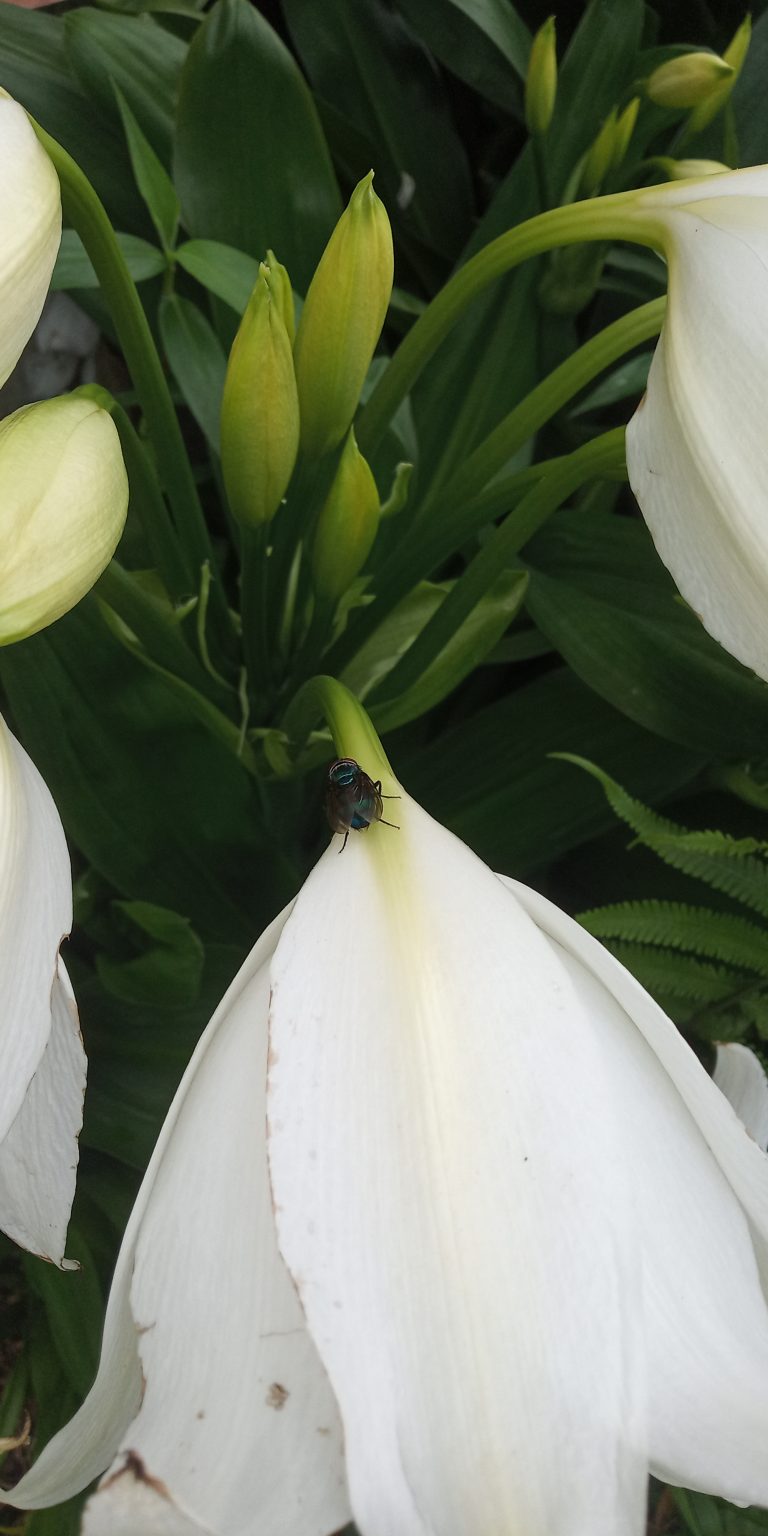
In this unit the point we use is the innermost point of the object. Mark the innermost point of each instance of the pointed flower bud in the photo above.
(260, 408)
(64, 496)
(600, 156)
(688, 170)
(687, 80)
(625, 127)
(30, 230)
(735, 54)
(347, 525)
(282, 292)
(541, 80)
(342, 319)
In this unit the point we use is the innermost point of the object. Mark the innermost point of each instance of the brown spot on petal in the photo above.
(135, 1467)
(277, 1396)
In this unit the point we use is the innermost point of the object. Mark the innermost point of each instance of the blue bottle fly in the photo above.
(353, 800)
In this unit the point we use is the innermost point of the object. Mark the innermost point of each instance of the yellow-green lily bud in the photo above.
(541, 80)
(259, 410)
(63, 500)
(625, 127)
(282, 293)
(347, 525)
(688, 170)
(688, 80)
(342, 319)
(734, 54)
(30, 230)
(600, 156)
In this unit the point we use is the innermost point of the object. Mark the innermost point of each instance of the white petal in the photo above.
(126, 1505)
(706, 1316)
(740, 1076)
(30, 230)
(38, 1158)
(233, 1424)
(451, 1199)
(35, 915)
(696, 447)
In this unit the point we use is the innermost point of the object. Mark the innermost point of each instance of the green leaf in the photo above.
(73, 267)
(484, 42)
(152, 179)
(170, 968)
(625, 382)
(228, 273)
(358, 54)
(726, 863)
(198, 362)
(251, 164)
(600, 593)
(677, 976)
(719, 936)
(139, 56)
(74, 1309)
(467, 649)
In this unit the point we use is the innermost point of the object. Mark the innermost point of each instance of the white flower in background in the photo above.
(63, 501)
(447, 1230)
(696, 447)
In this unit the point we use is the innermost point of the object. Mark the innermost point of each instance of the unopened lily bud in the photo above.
(688, 170)
(624, 129)
(30, 230)
(64, 497)
(734, 54)
(541, 80)
(688, 80)
(259, 410)
(347, 525)
(282, 292)
(600, 157)
(342, 319)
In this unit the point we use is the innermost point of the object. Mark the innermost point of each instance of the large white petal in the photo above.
(706, 1315)
(30, 230)
(35, 915)
(696, 447)
(38, 1157)
(451, 1199)
(216, 1401)
(740, 1076)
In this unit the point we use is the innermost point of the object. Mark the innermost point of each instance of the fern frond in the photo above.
(676, 975)
(717, 936)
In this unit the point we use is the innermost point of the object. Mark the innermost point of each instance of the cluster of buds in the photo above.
(287, 394)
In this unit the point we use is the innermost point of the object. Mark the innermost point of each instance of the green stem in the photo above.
(254, 594)
(543, 402)
(599, 218)
(352, 732)
(88, 216)
(602, 457)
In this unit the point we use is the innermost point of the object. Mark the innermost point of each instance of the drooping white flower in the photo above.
(447, 1230)
(30, 230)
(696, 447)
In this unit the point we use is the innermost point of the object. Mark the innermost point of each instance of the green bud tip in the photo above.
(541, 80)
(688, 80)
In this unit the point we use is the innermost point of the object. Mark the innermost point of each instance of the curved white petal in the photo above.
(64, 497)
(30, 231)
(451, 1199)
(38, 1157)
(35, 915)
(210, 1393)
(705, 1313)
(696, 447)
(741, 1077)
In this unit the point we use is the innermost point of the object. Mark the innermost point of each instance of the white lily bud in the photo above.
(30, 230)
(63, 501)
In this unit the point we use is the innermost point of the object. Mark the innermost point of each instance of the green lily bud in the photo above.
(260, 408)
(734, 54)
(688, 80)
(541, 80)
(625, 127)
(282, 292)
(64, 497)
(342, 319)
(687, 170)
(347, 525)
(600, 156)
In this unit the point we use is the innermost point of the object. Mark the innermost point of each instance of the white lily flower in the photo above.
(30, 230)
(696, 445)
(43, 1063)
(447, 1230)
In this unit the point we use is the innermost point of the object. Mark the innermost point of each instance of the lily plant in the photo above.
(447, 1229)
(64, 496)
